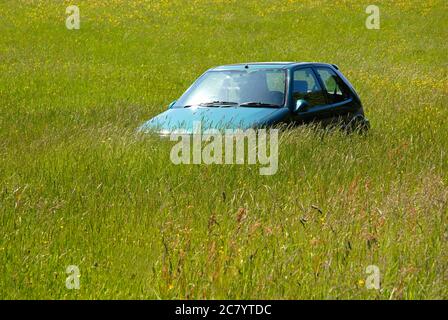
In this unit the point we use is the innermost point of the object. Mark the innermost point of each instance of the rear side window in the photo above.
(306, 87)
(336, 89)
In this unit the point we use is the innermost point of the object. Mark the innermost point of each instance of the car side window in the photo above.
(334, 86)
(306, 87)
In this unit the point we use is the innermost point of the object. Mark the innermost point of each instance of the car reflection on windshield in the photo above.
(254, 88)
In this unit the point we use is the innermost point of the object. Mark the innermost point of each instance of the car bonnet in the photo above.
(183, 119)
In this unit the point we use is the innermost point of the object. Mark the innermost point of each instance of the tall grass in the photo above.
(78, 186)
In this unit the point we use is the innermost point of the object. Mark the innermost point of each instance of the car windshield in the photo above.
(249, 88)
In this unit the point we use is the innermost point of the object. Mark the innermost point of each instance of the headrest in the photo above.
(300, 86)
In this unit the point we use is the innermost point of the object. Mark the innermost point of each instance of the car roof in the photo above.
(268, 65)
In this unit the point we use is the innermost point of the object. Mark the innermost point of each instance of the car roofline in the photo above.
(272, 65)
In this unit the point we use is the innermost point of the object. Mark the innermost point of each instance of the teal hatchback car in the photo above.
(254, 95)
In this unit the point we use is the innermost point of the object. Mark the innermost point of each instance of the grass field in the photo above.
(78, 186)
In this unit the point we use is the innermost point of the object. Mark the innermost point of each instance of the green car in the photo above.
(254, 95)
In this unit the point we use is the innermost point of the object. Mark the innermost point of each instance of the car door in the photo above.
(306, 86)
(340, 103)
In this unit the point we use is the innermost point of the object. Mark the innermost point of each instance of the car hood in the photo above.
(182, 119)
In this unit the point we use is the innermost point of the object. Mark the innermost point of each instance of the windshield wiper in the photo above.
(258, 104)
(218, 103)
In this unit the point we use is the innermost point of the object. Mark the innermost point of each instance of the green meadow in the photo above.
(79, 186)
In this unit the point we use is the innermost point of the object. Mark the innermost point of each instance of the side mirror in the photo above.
(172, 104)
(301, 106)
